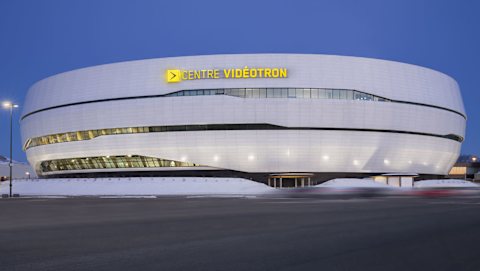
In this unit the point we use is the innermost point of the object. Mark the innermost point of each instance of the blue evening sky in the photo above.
(42, 38)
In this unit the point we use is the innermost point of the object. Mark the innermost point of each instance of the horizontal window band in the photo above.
(267, 93)
(111, 162)
(90, 134)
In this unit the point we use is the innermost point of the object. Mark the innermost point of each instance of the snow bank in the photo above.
(444, 183)
(350, 182)
(136, 186)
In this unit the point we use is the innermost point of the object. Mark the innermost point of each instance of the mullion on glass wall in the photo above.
(104, 162)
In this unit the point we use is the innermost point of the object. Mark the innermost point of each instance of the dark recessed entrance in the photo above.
(286, 180)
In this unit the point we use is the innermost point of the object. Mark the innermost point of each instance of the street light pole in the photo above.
(11, 139)
(10, 106)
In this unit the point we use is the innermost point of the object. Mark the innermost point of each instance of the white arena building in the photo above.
(245, 115)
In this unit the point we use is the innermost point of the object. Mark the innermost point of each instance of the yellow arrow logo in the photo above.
(173, 76)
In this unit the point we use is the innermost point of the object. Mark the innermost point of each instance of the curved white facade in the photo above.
(415, 124)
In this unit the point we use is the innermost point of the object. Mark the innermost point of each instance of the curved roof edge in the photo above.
(245, 54)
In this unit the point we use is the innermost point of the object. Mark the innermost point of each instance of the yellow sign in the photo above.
(175, 76)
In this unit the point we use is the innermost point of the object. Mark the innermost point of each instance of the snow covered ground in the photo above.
(178, 186)
(353, 183)
(136, 186)
(449, 183)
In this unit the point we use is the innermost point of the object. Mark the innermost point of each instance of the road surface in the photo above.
(239, 234)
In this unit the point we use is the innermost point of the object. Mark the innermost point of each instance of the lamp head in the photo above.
(8, 104)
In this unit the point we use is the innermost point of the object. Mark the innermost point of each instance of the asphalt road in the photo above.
(239, 234)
